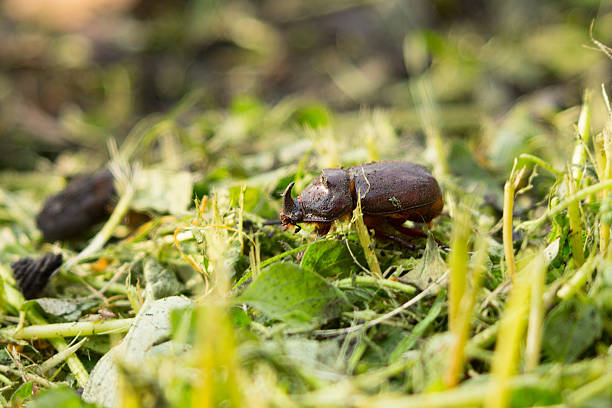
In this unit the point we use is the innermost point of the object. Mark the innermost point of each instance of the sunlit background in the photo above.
(74, 72)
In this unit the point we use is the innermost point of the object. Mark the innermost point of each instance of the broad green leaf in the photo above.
(294, 295)
(162, 191)
(22, 393)
(332, 258)
(60, 396)
(570, 329)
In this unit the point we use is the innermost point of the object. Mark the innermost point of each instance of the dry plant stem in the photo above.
(507, 348)
(536, 314)
(58, 330)
(466, 306)
(365, 241)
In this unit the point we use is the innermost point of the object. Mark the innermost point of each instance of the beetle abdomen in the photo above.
(397, 187)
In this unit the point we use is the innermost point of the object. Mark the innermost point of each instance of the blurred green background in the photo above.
(75, 72)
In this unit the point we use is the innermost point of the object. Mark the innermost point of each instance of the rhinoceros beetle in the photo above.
(391, 192)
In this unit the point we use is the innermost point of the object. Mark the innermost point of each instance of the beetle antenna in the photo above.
(272, 222)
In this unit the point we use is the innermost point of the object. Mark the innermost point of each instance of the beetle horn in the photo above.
(289, 205)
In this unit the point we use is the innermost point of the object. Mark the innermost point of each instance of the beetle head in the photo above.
(291, 213)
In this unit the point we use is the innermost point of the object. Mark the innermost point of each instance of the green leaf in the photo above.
(162, 191)
(22, 393)
(531, 396)
(314, 116)
(60, 396)
(570, 329)
(332, 258)
(296, 296)
(254, 201)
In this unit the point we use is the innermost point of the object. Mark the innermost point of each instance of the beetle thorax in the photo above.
(328, 197)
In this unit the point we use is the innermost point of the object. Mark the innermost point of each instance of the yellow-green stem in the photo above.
(75, 365)
(536, 313)
(531, 226)
(466, 306)
(457, 264)
(578, 279)
(365, 241)
(46, 331)
(509, 189)
(575, 222)
(368, 281)
(507, 348)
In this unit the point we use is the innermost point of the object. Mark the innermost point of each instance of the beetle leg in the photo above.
(415, 232)
(381, 234)
(412, 232)
(322, 228)
(378, 223)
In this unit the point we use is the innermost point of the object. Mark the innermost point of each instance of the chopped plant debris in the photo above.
(32, 275)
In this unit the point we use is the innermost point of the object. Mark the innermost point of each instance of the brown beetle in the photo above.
(391, 192)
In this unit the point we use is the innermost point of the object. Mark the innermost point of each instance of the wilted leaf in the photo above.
(333, 258)
(430, 267)
(570, 329)
(432, 364)
(299, 297)
(152, 324)
(163, 191)
(163, 281)
(64, 309)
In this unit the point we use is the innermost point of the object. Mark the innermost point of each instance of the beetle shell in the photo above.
(395, 190)
(397, 187)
